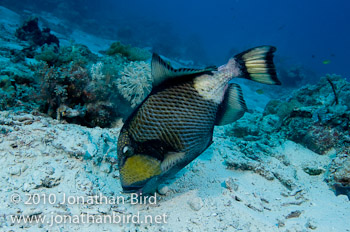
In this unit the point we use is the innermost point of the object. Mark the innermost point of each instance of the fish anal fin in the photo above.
(233, 106)
(162, 71)
(171, 159)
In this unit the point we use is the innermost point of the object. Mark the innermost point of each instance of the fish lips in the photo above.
(132, 189)
(146, 187)
(135, 187)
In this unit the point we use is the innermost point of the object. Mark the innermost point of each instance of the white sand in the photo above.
(43, 156)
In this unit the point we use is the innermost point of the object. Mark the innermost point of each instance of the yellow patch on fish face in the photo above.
(139, 168)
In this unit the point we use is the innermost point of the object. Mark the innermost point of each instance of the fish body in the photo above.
(175, 123)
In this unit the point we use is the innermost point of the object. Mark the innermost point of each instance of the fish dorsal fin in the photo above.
(162, 71)
(233, 106)
(171, 159)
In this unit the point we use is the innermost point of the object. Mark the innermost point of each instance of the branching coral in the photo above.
(135, 82)
(96, 72)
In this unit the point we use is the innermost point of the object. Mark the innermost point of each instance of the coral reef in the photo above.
(319, 123)
(79, 87)
(76, 53)
(68, 83)
(31, 32)
(34, 37)
(48, 54)
(7, 92)
(77, 94)
(253, 140)
(316, 116)
(135, 82)
(339, 174)
(16, 87)
(131, 53)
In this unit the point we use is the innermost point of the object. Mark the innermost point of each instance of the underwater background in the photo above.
(312, 35)
(71, 72)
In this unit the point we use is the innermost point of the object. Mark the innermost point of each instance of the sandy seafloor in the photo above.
(52, 159)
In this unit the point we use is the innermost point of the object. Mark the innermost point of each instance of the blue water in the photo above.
(306, 33)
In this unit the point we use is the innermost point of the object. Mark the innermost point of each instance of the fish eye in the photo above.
(125, 149)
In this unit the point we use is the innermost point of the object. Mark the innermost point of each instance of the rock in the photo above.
(50, 182)
(280, 109)
(30, 31)
(311, 224)
(316, 116)
(231, 184)
(27, 187)
(320, 139)
(343, 198)
(106, 168)
(314, 171)
(32, 211)
(286, 177)
(163, 189)
(270, 123)
(272, 107)
(195, 203)
(14, 170)
(255, 207)
(339, 175)
(293, 214)
(49, 170)
(280, 222)
(24, 168)
(104, 208)
(245, 126)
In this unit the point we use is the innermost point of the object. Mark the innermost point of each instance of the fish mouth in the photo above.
(137, 171)
(132, 189)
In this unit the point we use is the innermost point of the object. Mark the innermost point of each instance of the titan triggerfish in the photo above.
(175, 123)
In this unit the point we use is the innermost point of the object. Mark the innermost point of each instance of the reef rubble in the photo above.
(315, 116)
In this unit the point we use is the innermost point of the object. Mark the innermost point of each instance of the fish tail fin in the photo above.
(257, 64)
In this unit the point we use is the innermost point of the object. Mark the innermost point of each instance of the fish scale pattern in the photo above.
(177, 116)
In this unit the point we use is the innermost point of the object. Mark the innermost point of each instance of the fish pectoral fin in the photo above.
(233, 106)
(257, 64)
(162, 71)
(171, 159)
